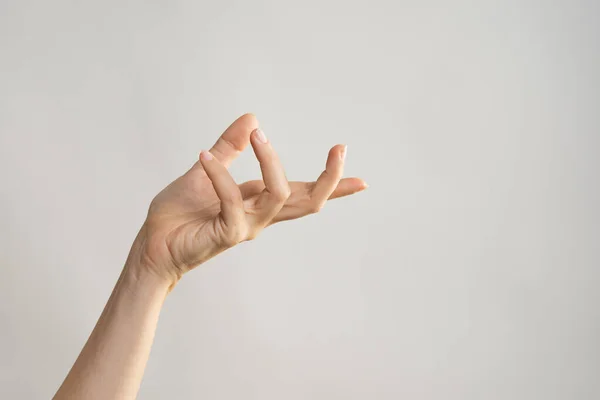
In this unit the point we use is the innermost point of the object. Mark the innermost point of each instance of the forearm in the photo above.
(112, 362)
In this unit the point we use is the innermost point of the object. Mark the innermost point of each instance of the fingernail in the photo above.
(343, 153)
(260, 135)
(205, 155)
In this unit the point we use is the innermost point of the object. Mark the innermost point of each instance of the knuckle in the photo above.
(234, 235)
(253, 234)
(316, 207)
(282, 194)
(287, 191)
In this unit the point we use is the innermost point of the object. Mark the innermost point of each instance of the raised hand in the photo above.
(204, 212)
(197, 216)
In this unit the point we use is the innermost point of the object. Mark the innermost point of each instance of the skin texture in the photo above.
(199, 215)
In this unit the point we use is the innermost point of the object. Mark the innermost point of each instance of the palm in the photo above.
(187, 211)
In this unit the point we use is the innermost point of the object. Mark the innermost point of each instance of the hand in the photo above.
(204, 212)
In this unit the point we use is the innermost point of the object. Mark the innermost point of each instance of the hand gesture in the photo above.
(205, 212)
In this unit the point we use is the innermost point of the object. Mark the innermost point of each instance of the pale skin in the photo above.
(199, 215)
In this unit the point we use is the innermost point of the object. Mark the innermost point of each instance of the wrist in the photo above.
(142, 268)
(143, 281)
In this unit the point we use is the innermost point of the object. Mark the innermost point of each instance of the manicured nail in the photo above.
(343, 153)
(205, 155)
(260, 135)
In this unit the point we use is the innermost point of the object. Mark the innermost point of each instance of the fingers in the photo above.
(276, 187)
(252, 188)
(345, 187)
(329, 179)
(348, 186)
(232, 205)
(272, 199)
(235, 139)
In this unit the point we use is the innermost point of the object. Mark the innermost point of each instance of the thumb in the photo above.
(235, 139)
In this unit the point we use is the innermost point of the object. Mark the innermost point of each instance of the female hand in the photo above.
(204, 212)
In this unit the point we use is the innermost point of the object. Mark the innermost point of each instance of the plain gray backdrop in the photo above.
(468, 269)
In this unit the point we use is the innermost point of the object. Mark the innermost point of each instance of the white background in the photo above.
(468, 269)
